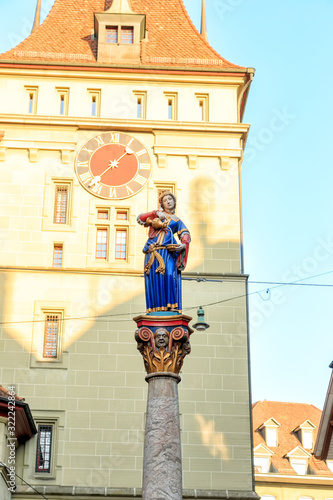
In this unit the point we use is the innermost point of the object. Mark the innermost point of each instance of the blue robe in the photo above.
(164, 291)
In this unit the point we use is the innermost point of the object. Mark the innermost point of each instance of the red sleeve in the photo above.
(144, 217)
(183, 256)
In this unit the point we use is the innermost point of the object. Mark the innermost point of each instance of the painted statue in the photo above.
(165, 257)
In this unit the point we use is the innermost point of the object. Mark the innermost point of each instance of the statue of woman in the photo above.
(165, 257)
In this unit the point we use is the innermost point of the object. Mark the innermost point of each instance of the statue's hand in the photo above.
(160, 215)
(180, 247)
(139, 221)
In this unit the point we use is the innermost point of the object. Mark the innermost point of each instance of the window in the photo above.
(44, 444)
(103, 214)
(51, 336)
(101, 243)
(111, 34)
(172, 105)
(61, 204)
(122, 215)
(141, 103)
(57, 255)
(63, 100)
(307, 439)
(127, 35)
(202, 101)
(300, 465)
(121, 244)
(271, 436)
(95, 103)
(32, 99)
(262, 464)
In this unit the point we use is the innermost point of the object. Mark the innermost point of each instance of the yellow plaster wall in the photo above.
(320, 490)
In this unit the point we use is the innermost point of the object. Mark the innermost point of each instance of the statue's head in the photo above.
(161, 337)
(168, 200)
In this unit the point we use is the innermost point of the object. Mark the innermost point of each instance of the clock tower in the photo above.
(106, 105)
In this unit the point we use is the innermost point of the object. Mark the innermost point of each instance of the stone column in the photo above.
(162, 465)
(164, 341)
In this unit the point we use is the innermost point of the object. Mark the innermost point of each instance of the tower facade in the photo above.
(89, 82)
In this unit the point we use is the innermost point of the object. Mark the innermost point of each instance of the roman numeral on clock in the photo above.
(114, 138)
(86, 177)
(141, 180)
(129, 190)
(82, 163)
(144, 166)
(113, 193)
(99, 140)
(97, 188)
(140, 153)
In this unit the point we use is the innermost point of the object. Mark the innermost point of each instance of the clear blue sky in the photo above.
(287, 179)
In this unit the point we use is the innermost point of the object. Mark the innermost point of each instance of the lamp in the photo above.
(201, 326)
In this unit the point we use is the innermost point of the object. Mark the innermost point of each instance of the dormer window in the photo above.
(299, 460)
(119, 32)
(270, 432)
(262, 459)
(111, 34)
(305, 434)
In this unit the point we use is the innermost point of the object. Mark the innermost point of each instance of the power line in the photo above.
(276, 284)
(39, 493)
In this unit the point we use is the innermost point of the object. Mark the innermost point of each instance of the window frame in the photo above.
(49, 469)
(95, 104)
(121, 229)
(55, 257)
(32, 92)
(63, 92)
(61, 213)
(123, 35)
(172, 105)
(203, 102)
(105, 230)
(142, 96)
(111, 29)
(59, 321)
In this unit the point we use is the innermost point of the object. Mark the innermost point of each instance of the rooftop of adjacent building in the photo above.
(296, 427)
(68, 35)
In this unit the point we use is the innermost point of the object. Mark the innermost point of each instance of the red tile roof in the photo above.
(290, 416)
(5, 394)
(66, 36)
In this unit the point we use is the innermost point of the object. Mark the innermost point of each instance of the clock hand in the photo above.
(113, 164)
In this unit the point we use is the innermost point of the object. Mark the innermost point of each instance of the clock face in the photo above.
(113, 165)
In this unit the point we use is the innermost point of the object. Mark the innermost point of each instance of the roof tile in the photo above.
(66, 36)
(290, 416)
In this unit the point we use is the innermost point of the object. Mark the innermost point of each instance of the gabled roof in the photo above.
(298, 452)
(305, 425)
(290, 416)
(271, 422)
(66, 36)
(262, 449)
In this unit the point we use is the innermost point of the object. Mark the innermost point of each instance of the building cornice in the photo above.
(289, 479)
(138, 75)
(138, 125)
(125, 68)
(70, 492)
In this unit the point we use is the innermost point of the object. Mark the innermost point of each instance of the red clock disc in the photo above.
(123, 169)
